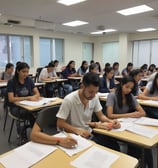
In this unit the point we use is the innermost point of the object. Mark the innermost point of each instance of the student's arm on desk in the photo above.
(144, 97)
(40, 137)
(63, 125)
(14, 99)
(105, 123)
(135, 114)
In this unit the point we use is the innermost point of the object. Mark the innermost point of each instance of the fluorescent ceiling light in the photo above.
(135, 10)
(70, 2)
(75, 23)
(146, 29)
(104, 31)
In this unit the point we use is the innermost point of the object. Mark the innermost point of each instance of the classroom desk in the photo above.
(3, 84)
(56, 81)
(75, 78)
(129, 137)
(59, 159)
(140, 101)
(34, 108)
(148, 103)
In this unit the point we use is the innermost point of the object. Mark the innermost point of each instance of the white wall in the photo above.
(73, 43)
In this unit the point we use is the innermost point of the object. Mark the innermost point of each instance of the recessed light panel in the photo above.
(104, 31)
(146, 29)
(75, 23)
(70, 2)
(135, 10)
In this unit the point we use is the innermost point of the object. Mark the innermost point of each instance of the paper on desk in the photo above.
(102, 94)
(142, 130)
(95, 157)
(40, 102)
(124, 126)
(82, 144)
(147, 121)
(26, 155)
(127, 120)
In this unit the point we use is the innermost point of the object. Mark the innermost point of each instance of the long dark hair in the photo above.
(19, 67)
(119, 95)
(107, 70)
(132, 74)
(68, 65)
(82, 66)
(154, 85)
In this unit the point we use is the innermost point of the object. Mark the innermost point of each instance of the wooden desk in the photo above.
(75, 78)
(126, 136)
(59, 159)
(140, 101)
(56, 81)
(34, 108)
(147, 103)
(3, 84)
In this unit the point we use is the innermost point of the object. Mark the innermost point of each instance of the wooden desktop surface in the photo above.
(34, 108)
(140, 101)
(59, 159)
(131, 137)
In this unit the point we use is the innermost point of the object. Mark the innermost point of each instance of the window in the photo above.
(87, 51)
(110, 52)
(15, 48)
(51, 49)
(145, 52)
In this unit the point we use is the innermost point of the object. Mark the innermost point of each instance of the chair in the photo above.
(19, 121)
(5, 109)
(47, 119)
(38, 71)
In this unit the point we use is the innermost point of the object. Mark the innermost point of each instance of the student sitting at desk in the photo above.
(151, 93)
(93, 68)
(77, 108)
(70, 71)
(136, 75)
(107, 81)
(6, 75)
(21, 87)
(127, 70)
(48, 74)
(83, 68)
(122, 104)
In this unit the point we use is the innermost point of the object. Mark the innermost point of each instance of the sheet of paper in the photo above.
(95, 157)
(124, 126)
(40, 102)
(142, 130)
(82, 144)
(27, 155)
(147, 121)
(128, 120)
(102, 94)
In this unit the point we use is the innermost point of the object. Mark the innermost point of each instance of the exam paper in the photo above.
(147, 121)
(102, 94)
(82, 144)
(95, 157)
(26, 155)
(40, 102)
(142, 130)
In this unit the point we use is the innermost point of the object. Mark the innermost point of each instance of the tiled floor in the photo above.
(5, 146)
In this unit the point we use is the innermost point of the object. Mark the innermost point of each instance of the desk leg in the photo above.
(142, 160)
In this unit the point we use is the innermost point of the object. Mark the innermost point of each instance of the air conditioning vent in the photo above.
(14, 22)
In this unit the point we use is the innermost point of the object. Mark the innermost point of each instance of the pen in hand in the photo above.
(69, 136)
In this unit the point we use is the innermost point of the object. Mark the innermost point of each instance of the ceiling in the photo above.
(96, 12)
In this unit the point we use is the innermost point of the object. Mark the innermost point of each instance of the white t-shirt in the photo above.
(73, 111)
(44, 74)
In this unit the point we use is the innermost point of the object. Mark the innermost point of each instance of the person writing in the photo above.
(37, 135)
(75, 113)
